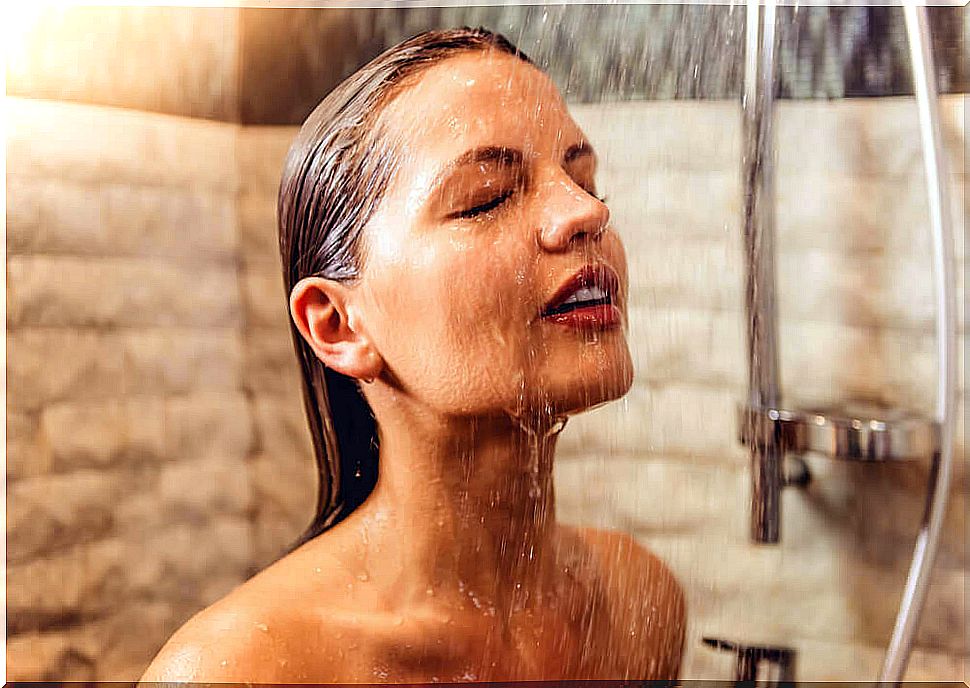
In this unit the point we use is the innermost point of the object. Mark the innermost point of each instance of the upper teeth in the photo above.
(590, 293)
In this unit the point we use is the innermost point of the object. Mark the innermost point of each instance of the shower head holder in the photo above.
(850, 433)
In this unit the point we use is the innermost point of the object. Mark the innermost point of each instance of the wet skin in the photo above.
(455, 567)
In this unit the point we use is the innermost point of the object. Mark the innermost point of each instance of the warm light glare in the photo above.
(20, 21)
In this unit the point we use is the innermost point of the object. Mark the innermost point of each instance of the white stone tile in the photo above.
(74, 291)
(689, 274)
(181, 360)
(651, 134)
(210, 424)
(283, 430)
(27, 455)
(846, 214)
(30, 656)
(649, 208)
(831, 361)
(868, 290)
(819, 361)
(695, 346)
(284, 484)
(264, 296)
(111, 219)
(660, 499)
(50, 512)
(194, 490)
(677, 418)
(257, 226)
(95, 368)
(91, 143)
(260, 152)
(98, 434)
(866, 137)
(270, 362)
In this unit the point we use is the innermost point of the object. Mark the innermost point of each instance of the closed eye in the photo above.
(485, 207)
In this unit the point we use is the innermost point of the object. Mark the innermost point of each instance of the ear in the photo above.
(319, 308)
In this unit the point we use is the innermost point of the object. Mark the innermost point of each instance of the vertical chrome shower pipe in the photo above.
(937, 180)
(758, 170)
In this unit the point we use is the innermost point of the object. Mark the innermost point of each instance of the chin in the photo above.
(582, 390)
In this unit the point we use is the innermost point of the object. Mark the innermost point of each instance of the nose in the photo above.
(571, 212)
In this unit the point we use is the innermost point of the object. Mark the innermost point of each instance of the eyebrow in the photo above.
(499, 154)
(505, 156)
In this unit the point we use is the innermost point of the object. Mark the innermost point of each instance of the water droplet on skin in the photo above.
(317, 570)
(263, 627)
(224, 662)
(363, 576)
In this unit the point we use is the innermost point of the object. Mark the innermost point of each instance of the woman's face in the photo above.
(461, 257)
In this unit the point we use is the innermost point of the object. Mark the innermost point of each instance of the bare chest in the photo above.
(571, 640)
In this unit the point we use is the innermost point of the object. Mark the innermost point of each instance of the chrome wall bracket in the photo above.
(844, 432)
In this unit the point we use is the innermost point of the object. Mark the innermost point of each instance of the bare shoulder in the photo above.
(264, 631)
(222, 643)
(630, 561)
(646, 599)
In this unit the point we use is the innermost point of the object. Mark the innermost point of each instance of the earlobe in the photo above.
(375, 365)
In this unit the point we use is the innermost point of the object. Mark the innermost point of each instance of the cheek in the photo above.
(485, 296)
(469, 332)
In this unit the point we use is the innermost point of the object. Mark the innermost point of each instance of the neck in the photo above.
(463, 503)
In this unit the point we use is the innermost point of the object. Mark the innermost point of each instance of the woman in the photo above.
(452, 274)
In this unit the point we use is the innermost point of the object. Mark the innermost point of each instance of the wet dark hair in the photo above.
(334, 177)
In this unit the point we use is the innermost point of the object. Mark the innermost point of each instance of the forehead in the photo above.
(480, 98)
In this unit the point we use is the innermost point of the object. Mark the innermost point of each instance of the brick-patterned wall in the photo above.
(180, 459)
(129, 429)
(282, 468)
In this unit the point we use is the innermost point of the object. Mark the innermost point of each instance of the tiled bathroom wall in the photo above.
(158, 455)
(129, 429)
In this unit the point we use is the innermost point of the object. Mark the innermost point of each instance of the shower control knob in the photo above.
(770, 665)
